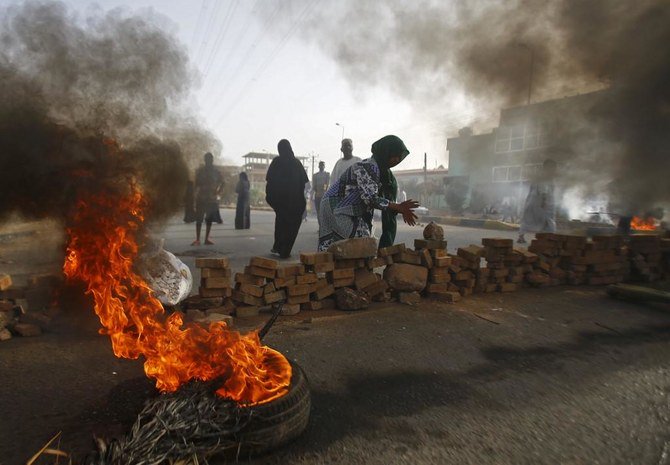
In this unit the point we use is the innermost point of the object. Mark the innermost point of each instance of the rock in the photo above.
(357, 247)
(212, 317)
(433, 231)
(349, 299)
(195, 315)
(290, 309)
(27, 329)
(37, 318)
(409, 298)
(247, 311)
(5, 334)
(406, 278)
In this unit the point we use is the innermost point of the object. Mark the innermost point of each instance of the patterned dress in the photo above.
(347, 207)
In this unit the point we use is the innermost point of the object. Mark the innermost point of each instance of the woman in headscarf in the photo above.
(347, 207)
(243, 211)
(285, 193)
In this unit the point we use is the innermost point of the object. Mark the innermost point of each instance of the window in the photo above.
(515, 173)
(516, 138)
(500, 173)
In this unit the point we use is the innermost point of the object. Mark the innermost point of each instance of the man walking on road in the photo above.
(320, 183)
(346, 161)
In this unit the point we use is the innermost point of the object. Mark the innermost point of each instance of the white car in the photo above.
(421, 211)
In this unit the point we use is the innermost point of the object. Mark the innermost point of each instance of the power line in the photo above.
(269, 59)
(198, 24)
(210, 24)
(222, 33)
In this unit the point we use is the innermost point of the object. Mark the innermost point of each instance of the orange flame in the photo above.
(640, 224)
(101, 250)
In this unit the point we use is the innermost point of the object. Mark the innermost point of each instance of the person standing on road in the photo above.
(243, 211)
(539, 211)
(347, 207)
(320, 183)
(346, 161)
(208, 185)
(285, 193)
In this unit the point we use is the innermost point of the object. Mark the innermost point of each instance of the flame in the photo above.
(101, 250)
(640, 224)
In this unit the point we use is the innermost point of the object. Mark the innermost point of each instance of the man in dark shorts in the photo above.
(208, 184)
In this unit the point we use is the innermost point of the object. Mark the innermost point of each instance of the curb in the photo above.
(473, 223)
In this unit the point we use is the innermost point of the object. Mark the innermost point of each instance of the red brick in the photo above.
(323, 292)
(263, 272)
(215, 273)
(212, 283)
(309, 278)
(249, 279)
(250, 289)
(363, 278)
(273, 297)
(211, 262)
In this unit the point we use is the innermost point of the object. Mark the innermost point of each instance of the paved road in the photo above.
(552, 376)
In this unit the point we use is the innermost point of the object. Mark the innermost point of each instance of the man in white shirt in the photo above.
(345, 162)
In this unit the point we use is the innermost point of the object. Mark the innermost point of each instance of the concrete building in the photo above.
(425, 186)
(487, 169)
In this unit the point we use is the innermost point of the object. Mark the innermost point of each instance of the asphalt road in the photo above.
(541, 376)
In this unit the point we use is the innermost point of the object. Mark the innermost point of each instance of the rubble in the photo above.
(405, 277)
(349, 299)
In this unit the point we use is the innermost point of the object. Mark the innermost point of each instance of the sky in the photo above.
(259, 81)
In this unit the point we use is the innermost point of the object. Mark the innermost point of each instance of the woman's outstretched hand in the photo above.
(406, 209)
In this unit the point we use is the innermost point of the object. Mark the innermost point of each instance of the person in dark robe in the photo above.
(189, 203)
(382, 151)
(285, 193)
(208, 185)
(243, 211)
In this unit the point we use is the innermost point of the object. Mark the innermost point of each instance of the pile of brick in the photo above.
(506, 267)
(28, 310)
(646, 257)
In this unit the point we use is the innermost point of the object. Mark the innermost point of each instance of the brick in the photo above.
(297, 299)
(286, 271)
(349, 299)
(364, 278)
(437, 287)
(323, 257)
(5, 282)
(244, 311)
(269, 288)
(213, 283)
(448, 297)
(342, 273)
(247, 299)
(211, 262)
(376, 262)
(5, 335)
(328, 304)
(228, 308)
(249, 279)
(308, 258)
(409, 298)
(430, 244)
(426, 258)
(491, 287)
(284, 282)
(439, 273)
(214, 292)
(441, 262)
(311, 306)
(538, 278)
(290, 309)
(322, 282)
(219, 318)
(471, 252)
(465, 275)
(215, 273)
(407, 256)
(273, 297)
(438, 253)
(26, 330)
(323, 267)
(357, 247)
(379, 287)
(346, 263)
(262, 262)
(497, 242)
(323, 292)
(300, 289)
(250, 289)
(343, 282)
(309, 278)
(263, 272)
(391, 250)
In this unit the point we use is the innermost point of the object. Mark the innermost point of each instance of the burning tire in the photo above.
(277, 422)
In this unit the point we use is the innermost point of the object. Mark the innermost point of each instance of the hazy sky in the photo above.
(260, 81)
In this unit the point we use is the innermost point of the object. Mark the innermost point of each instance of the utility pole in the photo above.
(425, 176)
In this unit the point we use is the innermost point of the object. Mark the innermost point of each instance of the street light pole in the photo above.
(342, 126)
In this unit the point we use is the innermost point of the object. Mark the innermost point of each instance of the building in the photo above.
(426, 186)
(256, 166)
(486, 170)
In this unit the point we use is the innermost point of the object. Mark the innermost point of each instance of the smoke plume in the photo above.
(430, 51)
(92, 103)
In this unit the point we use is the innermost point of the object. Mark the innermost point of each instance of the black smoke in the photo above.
(89, 104)
(430, 51)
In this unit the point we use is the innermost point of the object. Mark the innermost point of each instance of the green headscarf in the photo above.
(382, 151)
